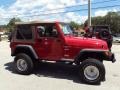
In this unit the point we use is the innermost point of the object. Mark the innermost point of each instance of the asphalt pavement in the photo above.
(50, 76)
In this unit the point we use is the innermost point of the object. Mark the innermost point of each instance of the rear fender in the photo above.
(28, 49)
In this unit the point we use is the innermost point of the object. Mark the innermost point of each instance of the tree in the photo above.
(112, 19)
(74, 25)
(11, 24)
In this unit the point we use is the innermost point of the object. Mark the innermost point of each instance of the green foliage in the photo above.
(11, 24)
(112, 19)
(74, 25)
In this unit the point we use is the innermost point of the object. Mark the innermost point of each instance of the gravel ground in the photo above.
(53, 76)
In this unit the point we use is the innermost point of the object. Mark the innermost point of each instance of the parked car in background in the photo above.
(116, 39)
(0, 37)
(102, 32)
(9, 36)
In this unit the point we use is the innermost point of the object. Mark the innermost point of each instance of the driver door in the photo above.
(49, 43)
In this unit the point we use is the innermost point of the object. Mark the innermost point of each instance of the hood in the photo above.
(84, 42)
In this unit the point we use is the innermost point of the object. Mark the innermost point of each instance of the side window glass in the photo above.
(47, 30)
(41, 31)
(54, 32)
(24, 32)
(51, 31)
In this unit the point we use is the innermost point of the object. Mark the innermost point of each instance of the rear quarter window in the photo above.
(24, 32)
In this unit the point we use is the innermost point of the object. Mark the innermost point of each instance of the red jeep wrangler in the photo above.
(55, 41)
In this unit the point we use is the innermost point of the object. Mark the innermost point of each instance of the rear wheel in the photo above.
(23, 64)
(92, 71)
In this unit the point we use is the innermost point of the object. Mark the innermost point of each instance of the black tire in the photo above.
(98, 66)
(104, 34)
(28, 61)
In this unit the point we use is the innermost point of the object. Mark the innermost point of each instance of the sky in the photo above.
(36, 10)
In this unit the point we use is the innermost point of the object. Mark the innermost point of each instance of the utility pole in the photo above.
(89, 13)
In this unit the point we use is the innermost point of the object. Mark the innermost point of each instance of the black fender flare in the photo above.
(79, 58)
(24, 48)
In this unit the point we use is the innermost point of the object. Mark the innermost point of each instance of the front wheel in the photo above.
(92, 71)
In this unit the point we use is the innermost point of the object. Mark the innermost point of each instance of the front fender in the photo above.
(91, 53)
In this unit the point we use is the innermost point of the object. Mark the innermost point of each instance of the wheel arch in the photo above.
(90, 53)
(27, 49)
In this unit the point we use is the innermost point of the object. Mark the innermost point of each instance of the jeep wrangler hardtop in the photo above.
(54, 41)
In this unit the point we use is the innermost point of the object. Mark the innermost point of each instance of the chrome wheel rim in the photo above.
(91, 72)
(21, 65)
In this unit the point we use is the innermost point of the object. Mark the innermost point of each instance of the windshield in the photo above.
(66, 29)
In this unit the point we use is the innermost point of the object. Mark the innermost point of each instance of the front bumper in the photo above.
(112, 58)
